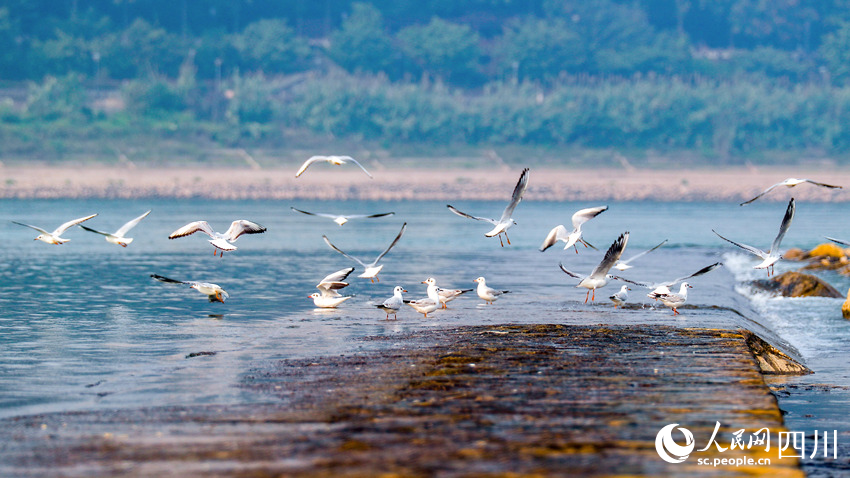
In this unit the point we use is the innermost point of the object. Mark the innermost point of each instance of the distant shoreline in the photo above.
(322, 182)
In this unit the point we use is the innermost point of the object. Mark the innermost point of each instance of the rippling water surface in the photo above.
(83, 326)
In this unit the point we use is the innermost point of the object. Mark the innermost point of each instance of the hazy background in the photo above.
(701, 82)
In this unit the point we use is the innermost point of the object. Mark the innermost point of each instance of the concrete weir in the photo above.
(512, 400)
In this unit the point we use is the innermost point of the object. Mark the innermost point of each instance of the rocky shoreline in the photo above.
(440, 183)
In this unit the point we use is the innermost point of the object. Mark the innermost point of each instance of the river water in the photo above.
(83, 326)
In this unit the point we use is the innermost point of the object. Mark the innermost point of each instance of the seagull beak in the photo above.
(424, 282)
(404, 290)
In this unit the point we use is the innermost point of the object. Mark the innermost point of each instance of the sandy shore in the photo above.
(399, 184)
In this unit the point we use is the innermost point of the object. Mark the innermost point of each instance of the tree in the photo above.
(444, 49)
(362, 44)
(540, 49)
(271, 46)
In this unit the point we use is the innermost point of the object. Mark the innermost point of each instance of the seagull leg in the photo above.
(586, 296)
(576, 248)
(500, 241)
(675, 312)
(508, 238)
(594, 296)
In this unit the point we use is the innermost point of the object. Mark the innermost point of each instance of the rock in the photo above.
(828, 250)
(794, 254)
(797, 284)
(845, 307)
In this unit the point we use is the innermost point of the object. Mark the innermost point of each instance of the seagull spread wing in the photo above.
(167, 280)
(130, 225)
(700, 272)
(571, 274)
(192, 228)
(64, 227)
(241, 226)
(307, 164)
(516, 197)
(637, 283)
(584, 215)
(763, 193)
(751, 249)
(349, 158)
(630, 259)
(463, 214)
(395, 241)
(328, 242)
(838, 241)
(822, 184)
(612, 255)
(783, 228)
(558, 233)
(31, 227)
(108, 234)
(369, 216)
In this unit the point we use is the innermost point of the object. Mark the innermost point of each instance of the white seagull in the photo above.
(773, 254)
(486, 292)
(55, 236)
(372, 269)
(661, 288)
(328, 297)
(394, 303)
(790, 182)
(620, 298)
(221, 241)
(335, 160)
(118, 237)
(623, 265)
(448, 295)
(674, 301)
(429, 304)
(214, 292)
(342, 219)
(506, 221)
(559, 233)
(599, 277)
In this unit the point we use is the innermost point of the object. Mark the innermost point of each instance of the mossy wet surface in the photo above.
(545, 400)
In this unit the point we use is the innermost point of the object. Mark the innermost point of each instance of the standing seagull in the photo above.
(790, 182)
(486, 292)
(394, 303)
(506, 221)
(620, 298)
(559, 233)
(118, 237)
(342, 219)
(599, 277)
(328, 297)
(214, 292)
(674, 301)
(430, 303)
(335, 160)
(623, 265)
(219, 240)
(773, 255)
(661, 288)
(55, 236)
(372, 269)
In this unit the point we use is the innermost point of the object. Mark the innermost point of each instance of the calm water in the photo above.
(84, 327)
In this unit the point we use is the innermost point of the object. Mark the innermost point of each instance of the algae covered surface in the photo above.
(548, 400)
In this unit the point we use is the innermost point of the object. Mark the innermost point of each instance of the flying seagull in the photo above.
(790, 182)
(342, 219)
(335, 160)
(372, 269)
(55, 237)
(118, 237)
(623, 265)
(658, 289)
(221, 241)
(559, 233)
(328, 297)
(772, 255)
(599, 277)
(506, 221)
(214, 292)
